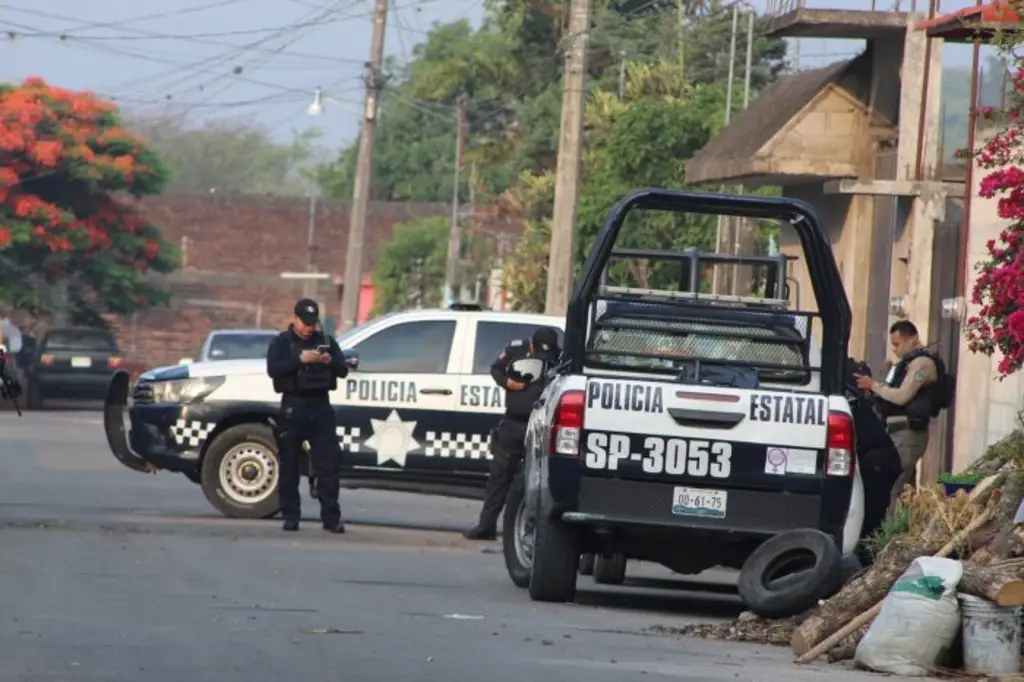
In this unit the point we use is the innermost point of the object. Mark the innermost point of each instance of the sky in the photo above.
(256, 59)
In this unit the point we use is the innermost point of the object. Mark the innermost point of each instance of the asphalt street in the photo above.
(109, 575)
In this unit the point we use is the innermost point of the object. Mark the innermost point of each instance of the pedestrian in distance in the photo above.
(305, 365)
(915, 390)
(521, 392)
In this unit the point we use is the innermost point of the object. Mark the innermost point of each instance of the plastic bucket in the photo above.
(991, 636)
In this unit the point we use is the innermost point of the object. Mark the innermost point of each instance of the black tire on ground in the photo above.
(556, 560)
(849, 566)
(587, 564)
(223, 443)
(515, 504)
(812, 555)
(610, 570)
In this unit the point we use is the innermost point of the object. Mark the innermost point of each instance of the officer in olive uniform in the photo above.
(507, 440)
(305, 365)
(914, 391)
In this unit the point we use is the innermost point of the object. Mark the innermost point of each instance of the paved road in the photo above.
(107, 575)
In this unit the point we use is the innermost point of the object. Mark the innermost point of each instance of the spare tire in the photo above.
(811, 557)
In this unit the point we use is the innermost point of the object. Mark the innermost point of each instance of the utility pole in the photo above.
(741, 227)
(721, 233)
(364, 174)
(567, 172)
(622, 76)
(309, 287)
(451, 275)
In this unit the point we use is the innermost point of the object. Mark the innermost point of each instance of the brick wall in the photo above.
(234, 248)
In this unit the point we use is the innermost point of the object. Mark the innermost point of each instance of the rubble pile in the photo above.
(978, 527)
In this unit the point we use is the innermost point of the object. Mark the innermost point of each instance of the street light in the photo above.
(316, 107)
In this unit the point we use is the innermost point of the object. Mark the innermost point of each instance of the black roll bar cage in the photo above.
(834, 307)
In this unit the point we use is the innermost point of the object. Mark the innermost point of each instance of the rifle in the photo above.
(10, 389)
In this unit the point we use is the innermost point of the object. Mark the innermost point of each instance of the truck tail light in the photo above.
(568, 424)
(841, 459)
(114, 362)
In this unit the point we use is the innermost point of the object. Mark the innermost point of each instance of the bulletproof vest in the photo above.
(310, 378)
(921, 407)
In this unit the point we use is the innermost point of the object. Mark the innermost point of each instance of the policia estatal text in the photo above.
(507, 440)
(305, 365)
(916, 389)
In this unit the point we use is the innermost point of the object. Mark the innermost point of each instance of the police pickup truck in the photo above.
(414, 414)
(682, 427)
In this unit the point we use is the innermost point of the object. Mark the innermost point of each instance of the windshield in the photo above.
(240, 346)
(80, 340)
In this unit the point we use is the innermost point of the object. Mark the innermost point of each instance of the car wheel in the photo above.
(556, 559)
(240, 472)
(517, 534)
(789, 573)
(610, 570)
(587, 564)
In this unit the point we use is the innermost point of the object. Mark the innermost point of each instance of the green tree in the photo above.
(228, 154)
(410, 266)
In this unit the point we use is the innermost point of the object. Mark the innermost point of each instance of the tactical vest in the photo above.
(313, 378)
(924, 405)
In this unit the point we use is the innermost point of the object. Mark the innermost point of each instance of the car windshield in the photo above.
(240, 346)
(80, 340)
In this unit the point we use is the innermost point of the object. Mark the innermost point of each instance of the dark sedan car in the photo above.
(72, 364)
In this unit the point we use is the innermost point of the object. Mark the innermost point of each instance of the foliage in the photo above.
(410, 270)
(999, 288)
(963, 478)
(228, 154)
(66, 163)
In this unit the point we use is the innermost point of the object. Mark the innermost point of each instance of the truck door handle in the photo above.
(707, 419)
(435, 391)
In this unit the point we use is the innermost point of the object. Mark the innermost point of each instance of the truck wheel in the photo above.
(587, 564)
(240, 472)
(517, 534)
(610, 570)
(556, 559)
(789, 573)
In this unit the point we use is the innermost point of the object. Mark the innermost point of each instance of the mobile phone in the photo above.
(323, 349)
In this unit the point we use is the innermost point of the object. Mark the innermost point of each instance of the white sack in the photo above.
(919, 620)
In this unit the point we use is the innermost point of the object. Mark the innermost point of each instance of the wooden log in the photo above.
(826, 645)
(847, 648)
(1001, 585)
(857, 595)
(1001, 528)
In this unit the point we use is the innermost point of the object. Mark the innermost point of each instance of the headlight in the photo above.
(184, 390)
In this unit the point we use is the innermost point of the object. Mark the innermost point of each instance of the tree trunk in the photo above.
(848, 647)
(858, 595)
(1006, 539)
(1001, 585)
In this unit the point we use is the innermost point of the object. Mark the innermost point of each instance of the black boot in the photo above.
(336, 527)
(291, 525)
(480, 533)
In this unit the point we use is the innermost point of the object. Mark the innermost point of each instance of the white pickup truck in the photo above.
(686, 428)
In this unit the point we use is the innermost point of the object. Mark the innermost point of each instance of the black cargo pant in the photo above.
(507, 452)
(316, 425)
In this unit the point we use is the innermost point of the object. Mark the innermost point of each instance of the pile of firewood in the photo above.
(977, 528)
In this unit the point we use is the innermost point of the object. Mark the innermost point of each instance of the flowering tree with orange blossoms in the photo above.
(69, 175)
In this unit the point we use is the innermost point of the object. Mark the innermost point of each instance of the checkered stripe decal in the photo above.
(348, 438)
(191, 433)
(460, 445)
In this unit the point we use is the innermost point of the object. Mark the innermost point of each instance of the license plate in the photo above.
(81, 362)
(709, 504)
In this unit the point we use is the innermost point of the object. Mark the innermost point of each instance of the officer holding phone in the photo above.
(305, 366)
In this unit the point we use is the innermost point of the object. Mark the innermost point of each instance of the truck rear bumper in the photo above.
(625, 503)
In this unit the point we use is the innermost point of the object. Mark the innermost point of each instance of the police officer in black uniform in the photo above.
(507, 440)
(305, 365)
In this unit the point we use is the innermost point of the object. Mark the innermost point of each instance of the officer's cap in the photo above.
(546, 338)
